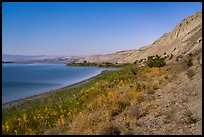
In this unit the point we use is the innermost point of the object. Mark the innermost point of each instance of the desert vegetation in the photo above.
(155, 61)
(188, 60)
(102, 99)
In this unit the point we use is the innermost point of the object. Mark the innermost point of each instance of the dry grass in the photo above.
(188, 116)
(190, 73)
(169, 116)
(110, 129)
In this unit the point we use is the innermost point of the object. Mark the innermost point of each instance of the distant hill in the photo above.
(6, 57)
(31, 59)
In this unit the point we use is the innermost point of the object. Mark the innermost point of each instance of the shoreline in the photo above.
(21, 101)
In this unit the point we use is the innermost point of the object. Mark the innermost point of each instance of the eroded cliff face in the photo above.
(185, 38)
(187, 25)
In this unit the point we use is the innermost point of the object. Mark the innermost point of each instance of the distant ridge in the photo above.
(26, 58)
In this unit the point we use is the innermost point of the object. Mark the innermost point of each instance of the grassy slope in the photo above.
(103, 98)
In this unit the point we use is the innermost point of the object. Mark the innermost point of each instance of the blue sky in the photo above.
(31, 28)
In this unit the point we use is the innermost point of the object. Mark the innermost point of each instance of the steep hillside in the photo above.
(186, 37)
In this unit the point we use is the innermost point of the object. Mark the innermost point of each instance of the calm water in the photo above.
(23, 80)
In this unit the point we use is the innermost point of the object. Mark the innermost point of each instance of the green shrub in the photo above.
(155, 61)
(134, 69)
(166, 77)
(86, 63)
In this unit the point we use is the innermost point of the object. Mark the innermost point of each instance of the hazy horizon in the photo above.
(87, 28)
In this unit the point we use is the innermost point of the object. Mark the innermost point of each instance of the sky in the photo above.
(87, 28)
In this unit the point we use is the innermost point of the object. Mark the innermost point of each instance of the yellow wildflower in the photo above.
(62, 119)
(80, 113)
(7, 127)
(16, 132)
(3, 127)
(110, 94)
(46, 109)
(69, 113)
(29, 129)
(19, 119)
(53, 113)
(24, 117)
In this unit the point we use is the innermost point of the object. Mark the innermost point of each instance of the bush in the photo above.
(188, 60)
(166, 77)
(136, 62)
(177, 58)
(136, 111)
(190, 73)
(155, 61)
(110, 129)
(134, 69)
(140, 60)
(121, 105)
(188, 117)
(151, 91)
(169, 115)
